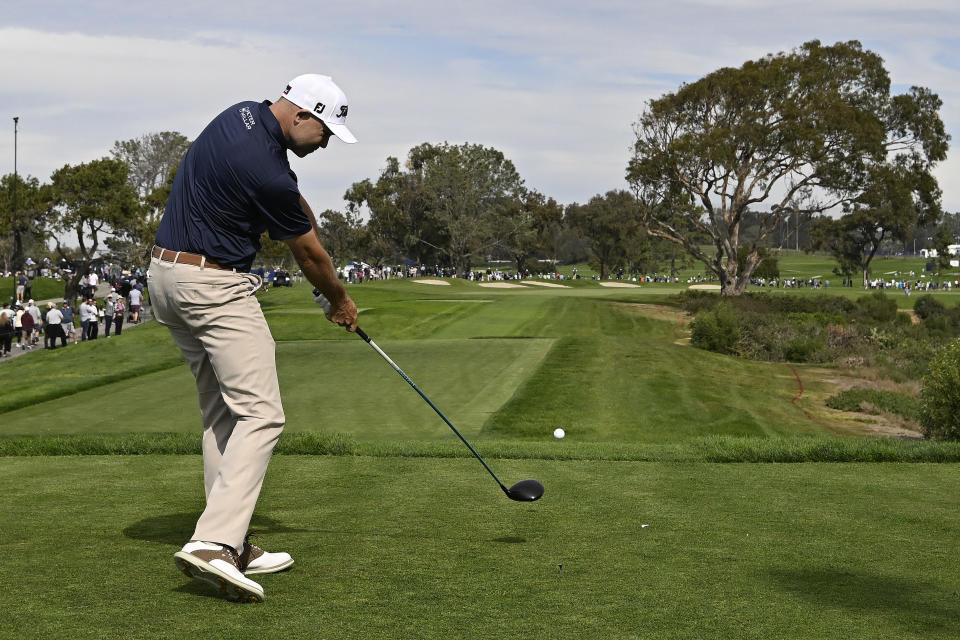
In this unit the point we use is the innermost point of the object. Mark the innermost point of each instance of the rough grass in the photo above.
(876, 401)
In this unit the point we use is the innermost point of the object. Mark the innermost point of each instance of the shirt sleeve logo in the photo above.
(247, 117)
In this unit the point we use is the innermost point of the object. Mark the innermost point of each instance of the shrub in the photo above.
(940, 397)
(802, 349)
(695, 301)
(927, 306)
(878, 307)
(715, 329)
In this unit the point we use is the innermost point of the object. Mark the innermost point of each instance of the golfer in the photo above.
(233, 184)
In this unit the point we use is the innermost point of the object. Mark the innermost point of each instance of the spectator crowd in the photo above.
(25, 323)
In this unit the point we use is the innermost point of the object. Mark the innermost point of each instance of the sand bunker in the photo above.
(545, 284)
(502, 285)
(705, 287)
(442, 282)
(620, 284)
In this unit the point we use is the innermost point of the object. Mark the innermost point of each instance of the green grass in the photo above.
(427, 548)
(398, 532)
(876, 401)
(728, 449)
(514, 363)
(41, 289)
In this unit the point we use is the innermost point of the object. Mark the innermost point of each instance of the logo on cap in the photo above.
(320, 107)
(343, 112)
(287, 90)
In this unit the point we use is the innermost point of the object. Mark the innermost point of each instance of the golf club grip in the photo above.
(363, 335)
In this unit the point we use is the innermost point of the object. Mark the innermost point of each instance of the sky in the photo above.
(555, 85)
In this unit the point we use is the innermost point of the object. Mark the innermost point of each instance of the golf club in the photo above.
(523, 491)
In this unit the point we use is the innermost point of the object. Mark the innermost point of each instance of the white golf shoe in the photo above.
(252, 559)
(219, 566)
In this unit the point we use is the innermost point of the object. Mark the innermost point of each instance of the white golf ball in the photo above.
(559, 433)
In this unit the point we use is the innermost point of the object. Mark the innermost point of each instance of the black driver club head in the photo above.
(525, 491)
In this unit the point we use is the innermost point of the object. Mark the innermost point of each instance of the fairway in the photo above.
(430, 548)
(352, 402)
(599, 362)
(398, 532)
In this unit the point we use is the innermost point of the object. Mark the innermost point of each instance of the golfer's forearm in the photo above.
(319, 271)
(317, 266)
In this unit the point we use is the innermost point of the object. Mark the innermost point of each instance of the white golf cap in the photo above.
(321, 96)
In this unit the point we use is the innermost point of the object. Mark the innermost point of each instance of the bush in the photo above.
(878, 307)
(940, 398)
(802, 349)
(694, 300)
(927, 306)
(716, 329)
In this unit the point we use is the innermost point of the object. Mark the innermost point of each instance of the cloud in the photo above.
(555, 85)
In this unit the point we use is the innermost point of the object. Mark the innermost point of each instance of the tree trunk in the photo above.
(71, 286)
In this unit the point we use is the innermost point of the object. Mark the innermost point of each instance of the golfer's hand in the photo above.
(344, 313)
(321, 300)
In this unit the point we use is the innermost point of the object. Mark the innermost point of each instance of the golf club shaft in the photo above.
(393, 364)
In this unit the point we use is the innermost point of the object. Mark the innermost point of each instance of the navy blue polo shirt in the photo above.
(233, 184)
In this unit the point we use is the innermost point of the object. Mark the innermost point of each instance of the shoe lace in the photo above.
(246, 540)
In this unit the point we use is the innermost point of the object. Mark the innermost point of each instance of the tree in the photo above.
(274, 252)
(343, 235)
(87, 201)
(398, 221)
(525, 227)
(900, 197)
(152, 161)
(942, 239)
(467, 188)
(806, 131)
(21, 232)
(611, 222)
(445, 207)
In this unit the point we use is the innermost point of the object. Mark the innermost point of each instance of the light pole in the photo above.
(16, 120)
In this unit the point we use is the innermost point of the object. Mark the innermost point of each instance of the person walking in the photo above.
(118, 312)
(93, 281)
(28, 325)
(21, 285)
(109, 308)
(6, 330)
(88, 315)
(136, 298)
(53, 327)
(34, 311)
(69, 330)
(95, 320)
(234, 183)
(18, 324)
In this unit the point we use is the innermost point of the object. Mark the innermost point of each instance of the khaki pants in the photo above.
(220, 329)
